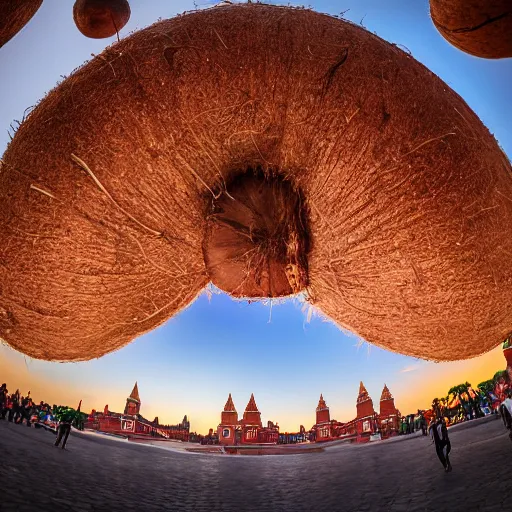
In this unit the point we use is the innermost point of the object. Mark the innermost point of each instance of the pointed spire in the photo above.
(134, 395)
(230, 406)
(363, 394)
(321, 404)
(386, 394)
(251, 406)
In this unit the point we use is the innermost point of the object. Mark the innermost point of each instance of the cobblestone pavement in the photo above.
(107, 475)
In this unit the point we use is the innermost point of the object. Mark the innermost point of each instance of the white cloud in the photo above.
(409, 369)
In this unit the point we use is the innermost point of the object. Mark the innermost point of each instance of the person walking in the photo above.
(66, 417)
(422, 422)
(439, 434)
(27, 411)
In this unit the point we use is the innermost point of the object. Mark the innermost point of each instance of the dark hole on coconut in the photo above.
(257, 238)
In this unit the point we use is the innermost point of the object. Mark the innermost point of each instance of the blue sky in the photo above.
(217, 346)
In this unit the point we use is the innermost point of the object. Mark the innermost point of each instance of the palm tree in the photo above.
(467, 387)
(487, 386)
(436, 407)
(499, 374)
(450, 410)
(461, 391)
(476, 399)
(444, 403)
(474, 406)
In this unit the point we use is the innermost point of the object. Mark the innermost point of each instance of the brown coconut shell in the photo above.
(14, 15)
(256, 240)
(396, 200)
(99, 19)
(479, 27)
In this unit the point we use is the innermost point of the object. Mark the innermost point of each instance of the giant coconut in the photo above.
(98, 19)
(269, 150)
(14, 15)
(479, 27)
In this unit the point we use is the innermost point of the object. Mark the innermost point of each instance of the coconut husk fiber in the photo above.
(98, 19)
(289, 149)
(14, 15)
(479, 27)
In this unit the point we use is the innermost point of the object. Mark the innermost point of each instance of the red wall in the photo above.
(323, 416)
(387, 407)
(365, 409)
(229, 440)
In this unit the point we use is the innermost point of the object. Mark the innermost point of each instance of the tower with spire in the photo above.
(364, 403)
(229, 416)
(228, 426)
(324, 427)
(131, 422)
(322, 412)
(253, 431)
(389, 416)
(252, 416)
(366, 420)
(249, 429)
(132, 406)
(387, 403)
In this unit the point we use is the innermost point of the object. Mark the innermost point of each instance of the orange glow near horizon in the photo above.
(435, 379)
(413, 388)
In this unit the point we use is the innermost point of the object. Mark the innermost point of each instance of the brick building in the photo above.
(132, 424)
(366, 424)
(249, 429)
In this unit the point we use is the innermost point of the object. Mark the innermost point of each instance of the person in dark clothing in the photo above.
(66, 417)
(23, 406)
(440, 437)
(422, 424)
(13, 408)
(63, 433)
(3, 400)
(7, 406)
(27, 412)
(17, 406)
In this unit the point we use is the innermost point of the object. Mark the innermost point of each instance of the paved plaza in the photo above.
(103, 474)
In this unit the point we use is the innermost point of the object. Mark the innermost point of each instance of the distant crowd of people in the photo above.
(17, 408)
(20, 410)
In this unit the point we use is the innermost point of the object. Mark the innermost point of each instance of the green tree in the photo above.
(499, 374)
(436, 407)
(461, 391)
(476, 398)
(486, 388)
